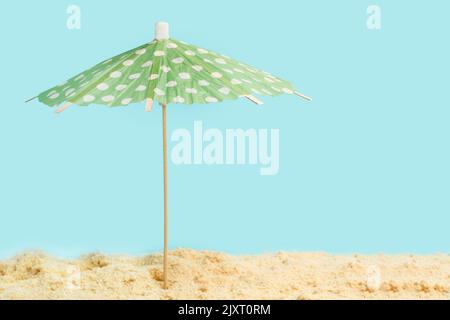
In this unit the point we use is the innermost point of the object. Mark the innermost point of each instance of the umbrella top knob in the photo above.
(162, 31)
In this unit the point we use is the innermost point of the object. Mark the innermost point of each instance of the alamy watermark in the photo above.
(73, 277)
(257, 147)
(374, 17)
(74, 17)
(373, 281)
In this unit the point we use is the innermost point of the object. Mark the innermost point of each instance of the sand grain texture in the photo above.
(208, 275)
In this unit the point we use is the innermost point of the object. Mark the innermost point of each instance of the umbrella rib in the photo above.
(149, 105)
(301, 95)
(254, 100)
(31, 99)
(63, 107)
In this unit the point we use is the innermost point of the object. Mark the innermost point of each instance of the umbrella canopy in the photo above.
(167, 71)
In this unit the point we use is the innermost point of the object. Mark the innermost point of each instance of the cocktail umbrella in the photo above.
(167, 71)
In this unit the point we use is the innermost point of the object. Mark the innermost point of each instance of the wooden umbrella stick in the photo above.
(166, 214)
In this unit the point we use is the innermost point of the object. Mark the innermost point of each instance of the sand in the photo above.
(209, 275)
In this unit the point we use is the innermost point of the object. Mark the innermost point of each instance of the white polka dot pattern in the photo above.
(166, 71)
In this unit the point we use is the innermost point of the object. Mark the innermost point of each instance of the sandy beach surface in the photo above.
(210, 275)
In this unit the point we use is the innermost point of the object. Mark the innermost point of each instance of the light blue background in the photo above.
(364, 168)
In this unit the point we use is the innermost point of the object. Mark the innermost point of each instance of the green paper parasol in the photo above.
(167, 71)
